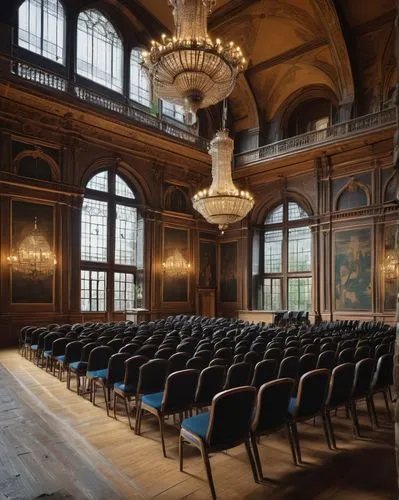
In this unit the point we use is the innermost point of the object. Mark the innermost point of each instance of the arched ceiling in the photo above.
(291, 44)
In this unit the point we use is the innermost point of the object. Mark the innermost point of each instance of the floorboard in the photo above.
(58, 445)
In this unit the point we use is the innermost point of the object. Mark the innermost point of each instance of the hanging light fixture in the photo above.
(222, 203)
(190, 69)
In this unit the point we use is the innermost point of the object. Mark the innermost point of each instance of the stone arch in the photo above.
(37, 153)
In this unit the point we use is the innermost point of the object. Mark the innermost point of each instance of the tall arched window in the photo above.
(112, 240)
(41, 28)
(99, 50)
(287, 259)
(139, 85)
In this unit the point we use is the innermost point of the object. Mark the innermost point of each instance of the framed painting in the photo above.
(352, 270)
(390, 267)
(207, 264)
(228, 272)
(32, 253)
(175, 265)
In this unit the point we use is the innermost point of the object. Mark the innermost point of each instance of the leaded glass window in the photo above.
(112, 245)
(173, 111)
(41, 28)
(286, 259)
(140, 90)
(99, 50)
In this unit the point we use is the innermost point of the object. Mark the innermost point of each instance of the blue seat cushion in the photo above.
(126, 389)
(47, 354)
(34, 347)
(291, 406)
(197, 425)
(98, 373)
(78, 365)
(60, 358)
(154, 400)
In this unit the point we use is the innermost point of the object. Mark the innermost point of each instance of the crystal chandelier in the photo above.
(190, 69)
(222, 203)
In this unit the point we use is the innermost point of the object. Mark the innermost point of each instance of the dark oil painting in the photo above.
(175, 265)
(207, 267)
(353, 284)
(228, 272)
(32, 253)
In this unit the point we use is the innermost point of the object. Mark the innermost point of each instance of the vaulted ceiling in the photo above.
(342, 48)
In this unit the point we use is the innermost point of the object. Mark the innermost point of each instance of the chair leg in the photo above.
(356, 426)
(330, 427)
(205, 458)
(94, 382)
(387, 405)
(292, 443)
(68, 382)
(137, 427)
(296, 441)
(370, 412)
(373, 410)
(105, 398)
(252, 461)
(326, 431)
(161, 428)
(127, 411)
(181, 445)
(114, 404)
(257, 457)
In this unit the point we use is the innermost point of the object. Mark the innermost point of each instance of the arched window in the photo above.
(173, 111)
(41, 28)
(391, 192)
(99, 50)
(286, 259)
(112, 240)
(139, 85)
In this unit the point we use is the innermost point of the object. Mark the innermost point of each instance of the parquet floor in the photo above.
(58, 445)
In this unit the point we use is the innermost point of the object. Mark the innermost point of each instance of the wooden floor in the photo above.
(58, 445)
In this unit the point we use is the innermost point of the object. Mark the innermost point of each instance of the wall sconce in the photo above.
(390, 266)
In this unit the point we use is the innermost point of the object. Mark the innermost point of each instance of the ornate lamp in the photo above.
(190, 69)
(222, 203)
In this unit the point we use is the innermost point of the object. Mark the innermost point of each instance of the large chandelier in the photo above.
(190, 69)
(222, 203)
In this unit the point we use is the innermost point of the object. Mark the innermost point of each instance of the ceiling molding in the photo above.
(227, 12)
(287, 56)
(376, 23)
(329, 17)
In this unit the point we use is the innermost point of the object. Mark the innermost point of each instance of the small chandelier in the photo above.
(189, 69)
(222, 204)
(34, 257)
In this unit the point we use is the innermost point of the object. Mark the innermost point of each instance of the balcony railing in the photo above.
(56, 82)
(301, 142)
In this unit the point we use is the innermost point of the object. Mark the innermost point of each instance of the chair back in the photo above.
(210, 382)
(341, 384)
(99, 357)
(130, 348)
(364, 372)
(312, 349)
(59, 346)
(238, 375)
(152, 376)
(346, 356)
(273, 353)
(362, 352)
(177, 361)
(205, 354)
(312, 393)
(179, 390)
(272, 405)
(252, 357)
(383, 377)
(116, 367)
(238, 358)
(291, 351)
(265, 371)
(326, 359)
(289, 368)
(196, 364)
(219, 362)
(307, 363)
(49, 339)
(115, 344)
(230, 417)
(328, 346)
(224, 353)
(380, 350)
(132, 372)
(165, 353)
(73, 352)
(87, 348)
(147, 350)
